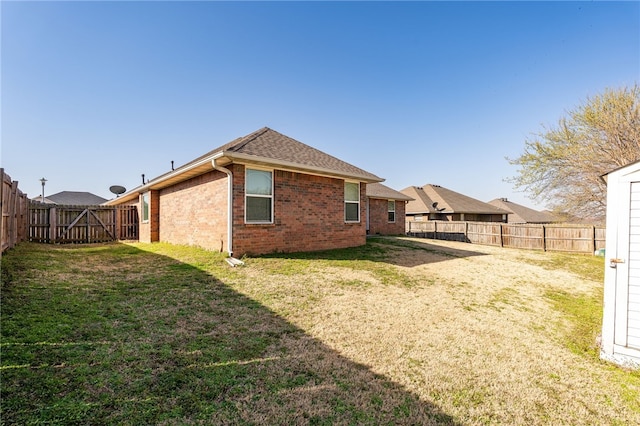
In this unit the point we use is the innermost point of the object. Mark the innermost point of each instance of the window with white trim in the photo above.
(391, 209)
(258, 198)
(352, 201)
(144, 201)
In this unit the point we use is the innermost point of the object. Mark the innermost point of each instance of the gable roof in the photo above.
(264, 147)
(437, 199)
(378, 190)
(273, 148)
(521, 214)
(73, 198)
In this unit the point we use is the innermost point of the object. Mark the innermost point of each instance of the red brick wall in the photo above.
(154, 216)
(194, 212)
(308, 215)
(379, 218)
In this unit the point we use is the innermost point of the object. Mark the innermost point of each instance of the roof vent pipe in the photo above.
(143, 178)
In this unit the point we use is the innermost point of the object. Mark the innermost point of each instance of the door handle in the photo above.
(613, 262)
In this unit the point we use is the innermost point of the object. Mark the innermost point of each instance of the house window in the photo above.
(352, 202)
(391, 209)
(145, 207)
(258, 196)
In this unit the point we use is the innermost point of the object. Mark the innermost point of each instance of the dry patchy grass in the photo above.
(482, 332)
(401, 331)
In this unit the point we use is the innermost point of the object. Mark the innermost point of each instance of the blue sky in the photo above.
(94, 94)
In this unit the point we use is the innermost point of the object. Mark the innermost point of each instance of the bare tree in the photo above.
(562, 165)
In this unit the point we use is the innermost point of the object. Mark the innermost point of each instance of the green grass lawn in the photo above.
(148, 334)
(161, 334)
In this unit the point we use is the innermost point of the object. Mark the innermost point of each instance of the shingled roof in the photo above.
(437, 199)
(264, 147)
(521, 214)
(73, 198)
(378, 190)
(267, 145)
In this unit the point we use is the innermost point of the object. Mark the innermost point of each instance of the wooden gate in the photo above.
(50, 223)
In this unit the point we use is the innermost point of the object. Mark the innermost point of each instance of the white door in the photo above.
(627, 264)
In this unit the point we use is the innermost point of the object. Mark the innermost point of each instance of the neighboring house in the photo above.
(621, 317)
(261, 193)
(72, 198)
(521, 214)
(385, 210)
(434, 202)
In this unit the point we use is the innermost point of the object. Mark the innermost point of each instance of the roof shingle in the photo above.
(437, 199)
(378, 190)
(266, 143)
(521, 214)
(74, 198)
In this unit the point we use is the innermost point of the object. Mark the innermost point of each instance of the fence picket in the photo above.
(549, 237)
(14, 206)
(82, 224)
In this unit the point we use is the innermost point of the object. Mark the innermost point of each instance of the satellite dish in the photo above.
(435, 205)
(117, 189)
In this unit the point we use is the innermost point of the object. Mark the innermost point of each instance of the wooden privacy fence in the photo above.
(50, 223)
(15, 206)
(549, 237)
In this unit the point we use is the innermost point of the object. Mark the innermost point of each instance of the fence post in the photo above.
(2, 224)
(13, 201)
(593, 239)
(53, 225)
(501, 237)
(116, 221)
(22, 217)
(544, 238)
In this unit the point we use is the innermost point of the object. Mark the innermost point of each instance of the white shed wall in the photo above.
(621, 317)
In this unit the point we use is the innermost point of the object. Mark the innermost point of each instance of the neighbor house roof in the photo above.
(437, 199)
(39, 200)
(264, 147)
(521, 214)
(72, 198)
(378, 190)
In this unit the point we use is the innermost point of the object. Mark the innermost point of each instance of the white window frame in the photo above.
(391, 211)
(247, 195)
(351, 201)
(145, 198)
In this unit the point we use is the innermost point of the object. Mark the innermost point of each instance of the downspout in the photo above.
(229, 203)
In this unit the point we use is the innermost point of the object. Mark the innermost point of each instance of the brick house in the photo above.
(261, 193)
(434, 202)
(385, 210)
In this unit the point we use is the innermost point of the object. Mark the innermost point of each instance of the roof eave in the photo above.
(171, 178)
(382, 197)
(236, 157)
(226, 157)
